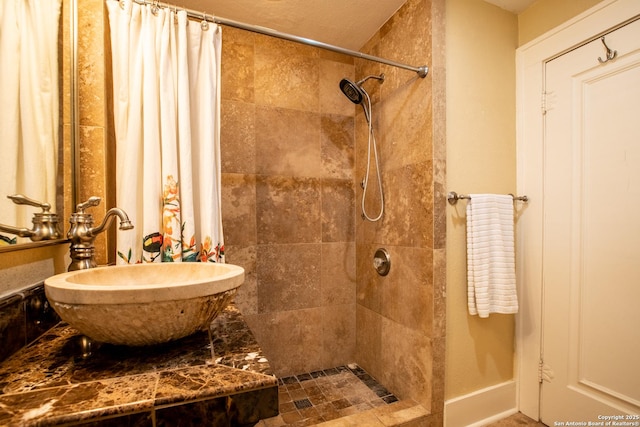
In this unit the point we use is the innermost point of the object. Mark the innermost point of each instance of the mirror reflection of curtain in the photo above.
(166, 82)
(29, 112)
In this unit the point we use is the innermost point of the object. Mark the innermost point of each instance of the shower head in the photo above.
(351, 91)
(354, 91)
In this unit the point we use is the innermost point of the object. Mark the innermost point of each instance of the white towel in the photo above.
(491, 275)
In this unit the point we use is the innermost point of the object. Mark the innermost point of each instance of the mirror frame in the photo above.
(73, 134)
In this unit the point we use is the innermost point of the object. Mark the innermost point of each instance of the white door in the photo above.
(591, 246)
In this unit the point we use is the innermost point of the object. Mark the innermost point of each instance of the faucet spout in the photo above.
(125, 223)
(82, 234)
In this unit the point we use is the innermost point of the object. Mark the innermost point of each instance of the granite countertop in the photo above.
(50, 382)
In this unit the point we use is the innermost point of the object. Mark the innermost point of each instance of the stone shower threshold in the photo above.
(341, 396)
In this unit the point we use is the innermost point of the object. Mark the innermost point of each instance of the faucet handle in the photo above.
(45, 223)
(19, 199)
(93, 201)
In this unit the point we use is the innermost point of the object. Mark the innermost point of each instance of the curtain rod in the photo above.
(421, 71)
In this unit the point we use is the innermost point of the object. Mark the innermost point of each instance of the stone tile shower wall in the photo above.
(291, 146)
(95, 122)
(400, 317)
(288, 197)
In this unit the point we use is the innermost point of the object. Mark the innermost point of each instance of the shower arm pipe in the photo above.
(421, 71)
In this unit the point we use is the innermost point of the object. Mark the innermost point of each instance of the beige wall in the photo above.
(481, 43)
(544, 15)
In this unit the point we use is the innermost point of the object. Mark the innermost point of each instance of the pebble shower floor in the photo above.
(315, 397)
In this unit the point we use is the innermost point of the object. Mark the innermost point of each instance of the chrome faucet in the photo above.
(83, 235)
(45, 223)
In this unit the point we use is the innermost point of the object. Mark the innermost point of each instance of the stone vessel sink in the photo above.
(143, 304)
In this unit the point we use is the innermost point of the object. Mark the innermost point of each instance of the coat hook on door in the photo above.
(611, 54)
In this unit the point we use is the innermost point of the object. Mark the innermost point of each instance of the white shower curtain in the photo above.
(166, 82)
(29, 113)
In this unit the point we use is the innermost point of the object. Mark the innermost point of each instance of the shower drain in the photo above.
(303, 403)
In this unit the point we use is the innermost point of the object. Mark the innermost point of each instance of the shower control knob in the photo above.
(382, 261)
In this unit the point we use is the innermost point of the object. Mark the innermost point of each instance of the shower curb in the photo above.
(404, 413)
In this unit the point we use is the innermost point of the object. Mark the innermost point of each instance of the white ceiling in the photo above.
(515, 6)
(344, 23)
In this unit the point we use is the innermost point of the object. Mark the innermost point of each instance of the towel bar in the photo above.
(453, 197)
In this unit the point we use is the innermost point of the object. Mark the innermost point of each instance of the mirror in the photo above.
(37, 87)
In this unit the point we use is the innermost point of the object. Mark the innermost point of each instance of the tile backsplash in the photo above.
(24, 316)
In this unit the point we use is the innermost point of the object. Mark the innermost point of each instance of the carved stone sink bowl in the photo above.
(143, 304)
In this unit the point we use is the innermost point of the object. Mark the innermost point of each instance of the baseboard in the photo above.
(481, 407)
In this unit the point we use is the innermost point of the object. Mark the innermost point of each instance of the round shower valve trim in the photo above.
(382, 261)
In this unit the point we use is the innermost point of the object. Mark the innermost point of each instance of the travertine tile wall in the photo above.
(291, 145)
(400, 317)
(96, 142)
(288, 197)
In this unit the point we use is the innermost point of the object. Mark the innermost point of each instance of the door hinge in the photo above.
(540, 363)
(545, 373)
(547, 101)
